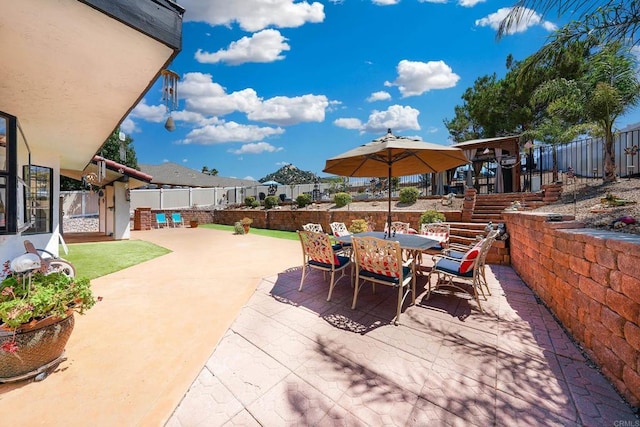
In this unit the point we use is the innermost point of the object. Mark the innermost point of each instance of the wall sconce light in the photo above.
(486, 151)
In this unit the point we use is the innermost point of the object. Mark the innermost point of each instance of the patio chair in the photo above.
(437, 231)
(455, 273)
(379, 261)
(50, 263)
(317, 253)
(161, 220)
(458, 253)
(177, 220)
(398, 227)
(340, 229)
(317, 228)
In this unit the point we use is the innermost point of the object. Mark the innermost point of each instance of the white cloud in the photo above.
(469, 3)
(416, 78)
(256, 148)
(129, 126)
(203, 96)
(284, 111)
(379, 96)
(396, 117)
(150, 113)
(436, 1)
(254, 15)
(385, 2)
(348, 123)
(264, 46)
(229, 132)
(529, 19)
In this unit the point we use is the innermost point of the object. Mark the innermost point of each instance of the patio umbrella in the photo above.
(392, 156)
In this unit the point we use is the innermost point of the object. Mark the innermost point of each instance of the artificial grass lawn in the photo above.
(97, 259)
(290, 235)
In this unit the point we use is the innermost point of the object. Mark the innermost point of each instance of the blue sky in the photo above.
(267, 83)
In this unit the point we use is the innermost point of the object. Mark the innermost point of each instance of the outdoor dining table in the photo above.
(412, 243)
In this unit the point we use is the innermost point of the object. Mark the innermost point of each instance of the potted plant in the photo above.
(246, 224)
(194, 223)
(36, 319)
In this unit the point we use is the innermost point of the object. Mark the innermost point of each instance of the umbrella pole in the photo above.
(389, 203)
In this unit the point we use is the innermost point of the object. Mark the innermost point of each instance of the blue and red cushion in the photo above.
(339, 261)
(466, 263)
(406, 271)
(451, 266)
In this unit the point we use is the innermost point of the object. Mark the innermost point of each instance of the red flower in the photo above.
(9, 346)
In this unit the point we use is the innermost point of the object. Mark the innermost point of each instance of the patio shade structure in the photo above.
(393, 156)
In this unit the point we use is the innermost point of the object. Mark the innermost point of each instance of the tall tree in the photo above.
(609, 20)
(608, 88)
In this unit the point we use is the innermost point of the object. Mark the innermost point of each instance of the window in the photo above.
(39, 207)
(15, 196)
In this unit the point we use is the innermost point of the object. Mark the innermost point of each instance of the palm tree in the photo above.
(610, 20)
(608, 88)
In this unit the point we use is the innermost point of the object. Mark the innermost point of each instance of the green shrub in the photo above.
(430, 216)
(358, 226)
(249, 200)
(342, 199)
(238, 228)
(270, 202)
(409, 195)
(255, 204)
(303, 200)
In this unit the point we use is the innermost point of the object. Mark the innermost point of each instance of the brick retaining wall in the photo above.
(590, 279)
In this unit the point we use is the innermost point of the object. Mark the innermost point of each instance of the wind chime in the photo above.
(170, 96)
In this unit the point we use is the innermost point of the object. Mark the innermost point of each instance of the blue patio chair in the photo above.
(161, 220)
(177, 220)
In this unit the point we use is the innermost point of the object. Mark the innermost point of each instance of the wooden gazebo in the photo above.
(505, 151)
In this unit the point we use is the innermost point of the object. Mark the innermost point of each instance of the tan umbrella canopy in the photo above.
(392, 156)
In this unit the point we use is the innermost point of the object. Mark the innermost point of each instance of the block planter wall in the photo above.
(590, 279)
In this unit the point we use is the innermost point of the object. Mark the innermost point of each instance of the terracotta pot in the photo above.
(193, 224)
(39, 343)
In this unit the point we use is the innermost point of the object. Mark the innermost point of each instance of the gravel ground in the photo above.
(583, 200)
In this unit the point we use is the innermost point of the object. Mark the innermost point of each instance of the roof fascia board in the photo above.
(159, 19)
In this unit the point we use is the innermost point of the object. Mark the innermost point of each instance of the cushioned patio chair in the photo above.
(317, 228)
(379, 261)
(340, 229)
(398, 227)
(177, 220)
(317, 253)
(161, 220)
(464, 274)
(461, 251)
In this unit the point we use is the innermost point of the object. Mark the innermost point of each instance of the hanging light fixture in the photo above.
(170, 96)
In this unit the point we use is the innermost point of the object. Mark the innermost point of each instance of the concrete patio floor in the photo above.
(186, 339)
(291, 358)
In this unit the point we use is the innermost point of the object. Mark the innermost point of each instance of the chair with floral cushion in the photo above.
(455, 273)
(317, 253)
(379, 261)
(316, 228)
(398, 227)
(340, 229)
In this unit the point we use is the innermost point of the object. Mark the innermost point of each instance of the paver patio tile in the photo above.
(291, 350)
(329, 372)
(426, 413)
(419, 343)
(291, 402)
(243, 419)
(377, 401)
(445, 393)
(244, 369)
(208, 402)
(339, 416)
(257, 328)
(512, 411)
(466, 359)
(538, 388)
